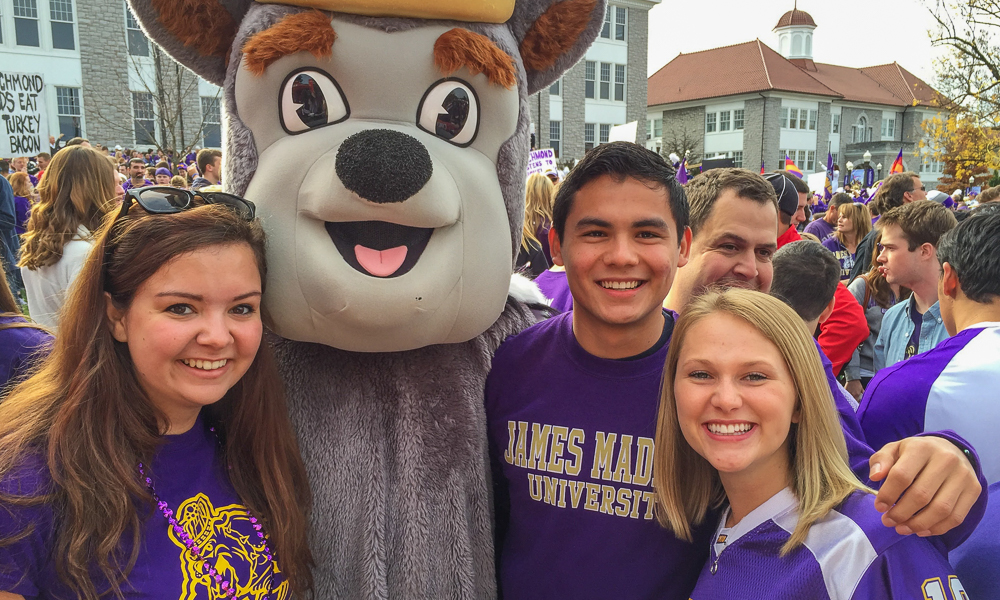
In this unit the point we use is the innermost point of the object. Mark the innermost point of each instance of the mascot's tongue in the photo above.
(380, 263)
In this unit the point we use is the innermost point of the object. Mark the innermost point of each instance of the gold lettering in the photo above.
(576, 492)
(608, 500)
(522, 440)
(602, 455)
(593, 490)
(576, 437)
(562, 493)
(644, 462)
(535, 486)
(511, 434)
(623, 468)
(551, 487)
(556, 449)
(539, 444)
(624, 501)
(636, 499)
(650, 499)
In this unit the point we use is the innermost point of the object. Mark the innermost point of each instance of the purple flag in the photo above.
(828, 186)
(682, 172)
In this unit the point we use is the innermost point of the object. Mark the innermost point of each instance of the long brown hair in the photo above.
(687, 485)
(537, 207)
(78, 189)
(10, 309)
(85, 412)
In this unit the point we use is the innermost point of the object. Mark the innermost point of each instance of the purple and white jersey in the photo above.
(952, 386)
(847, 555)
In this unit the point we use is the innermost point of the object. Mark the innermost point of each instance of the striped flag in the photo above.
(897, 165)
(761, 167)
(791, 168)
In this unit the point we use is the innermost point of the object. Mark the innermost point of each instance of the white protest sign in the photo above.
(817, 181)
(24, 127)
(542, 161)
(624, 133)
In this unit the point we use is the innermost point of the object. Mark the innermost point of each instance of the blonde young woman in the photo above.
(535, 256)
(79, 189)
(853, 225)
(747, 424)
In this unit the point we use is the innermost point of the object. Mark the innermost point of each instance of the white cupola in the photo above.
(795, 34)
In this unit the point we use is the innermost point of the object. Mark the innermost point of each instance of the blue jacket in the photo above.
(10, 244)
(897, 327)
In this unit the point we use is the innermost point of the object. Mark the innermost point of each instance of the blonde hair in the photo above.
(687, 485)
(537, 207)
(21, 184)
(78, 189)
(858, 214)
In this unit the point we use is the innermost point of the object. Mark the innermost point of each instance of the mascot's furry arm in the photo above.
(384, 143)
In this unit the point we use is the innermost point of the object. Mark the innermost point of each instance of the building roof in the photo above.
(795, 17)
(730, 70)
(905, 85)
(754, 67)
(853, 85)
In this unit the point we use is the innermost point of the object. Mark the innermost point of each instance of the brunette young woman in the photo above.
(747, 424)
(150, 456)
(78, 189)
(853, 224)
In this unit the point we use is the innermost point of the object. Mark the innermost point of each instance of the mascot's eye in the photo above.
(309, 99)
(450, 110)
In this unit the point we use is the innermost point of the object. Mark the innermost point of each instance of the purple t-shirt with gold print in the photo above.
(187, 473)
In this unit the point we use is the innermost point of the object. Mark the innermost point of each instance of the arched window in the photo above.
(809, 44)
(858, 133)
(797, 44)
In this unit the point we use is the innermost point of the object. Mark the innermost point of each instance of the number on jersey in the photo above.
(934, 590)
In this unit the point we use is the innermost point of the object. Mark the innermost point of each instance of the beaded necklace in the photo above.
(225, 586)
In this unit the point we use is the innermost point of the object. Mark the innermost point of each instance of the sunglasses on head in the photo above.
(163, 200)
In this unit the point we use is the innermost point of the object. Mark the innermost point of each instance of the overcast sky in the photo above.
(853, 33)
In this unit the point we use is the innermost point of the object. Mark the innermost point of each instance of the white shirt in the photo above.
(46, 287)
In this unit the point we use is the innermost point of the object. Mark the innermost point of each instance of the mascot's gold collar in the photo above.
(479, 11)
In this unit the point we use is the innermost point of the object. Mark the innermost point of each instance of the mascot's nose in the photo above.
(383, 166)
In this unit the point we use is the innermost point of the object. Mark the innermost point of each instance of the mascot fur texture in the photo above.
(386, 155)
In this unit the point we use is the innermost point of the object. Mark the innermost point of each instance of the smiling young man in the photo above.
(571, 402)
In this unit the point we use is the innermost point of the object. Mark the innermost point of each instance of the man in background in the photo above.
(209, 167)
(824, 228)
(910, 236)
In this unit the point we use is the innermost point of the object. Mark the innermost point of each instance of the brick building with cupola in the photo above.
(754, 104)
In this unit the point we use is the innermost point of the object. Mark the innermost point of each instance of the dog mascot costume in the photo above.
(385, 143)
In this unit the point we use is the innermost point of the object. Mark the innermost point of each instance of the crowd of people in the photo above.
(812, 389)
(45, 257)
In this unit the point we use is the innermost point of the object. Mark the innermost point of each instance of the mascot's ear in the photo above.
(554, 35)
(196, 33)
